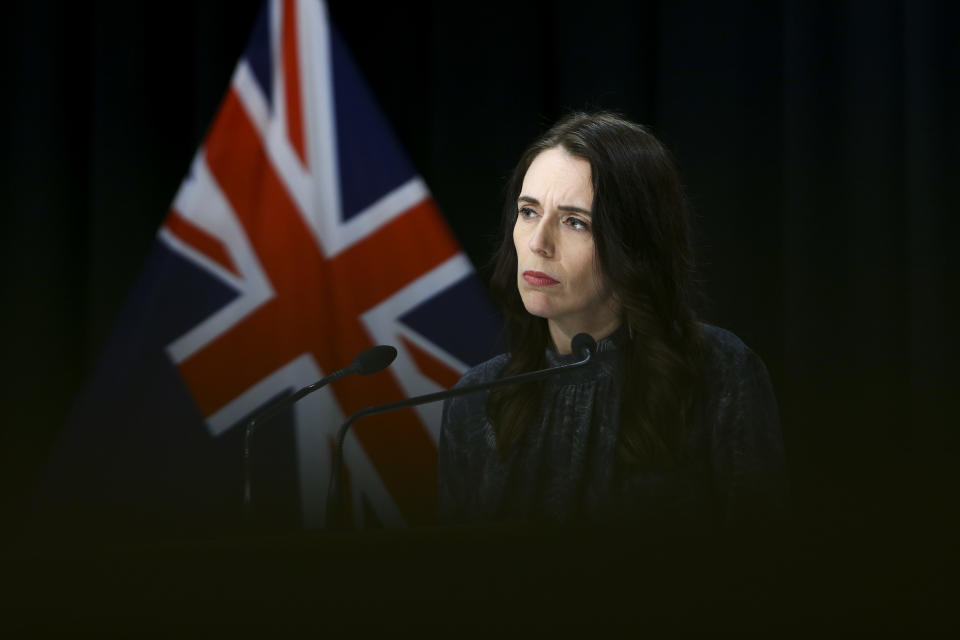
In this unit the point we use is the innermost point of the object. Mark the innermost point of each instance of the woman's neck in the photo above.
(561, 335)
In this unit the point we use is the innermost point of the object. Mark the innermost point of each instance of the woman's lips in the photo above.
(539, 279)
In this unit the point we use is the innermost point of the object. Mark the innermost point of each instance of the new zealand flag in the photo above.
(301, 236)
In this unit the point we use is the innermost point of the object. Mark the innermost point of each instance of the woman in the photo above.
(677, 423)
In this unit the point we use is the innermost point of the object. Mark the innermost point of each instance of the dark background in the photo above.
(818, 141)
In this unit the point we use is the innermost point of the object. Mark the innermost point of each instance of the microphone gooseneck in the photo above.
(582, 345)
(370, 361)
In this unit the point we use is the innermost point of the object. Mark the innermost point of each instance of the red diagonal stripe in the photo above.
(291, 80)
(316, 309)
(200, 240)
(395, 255)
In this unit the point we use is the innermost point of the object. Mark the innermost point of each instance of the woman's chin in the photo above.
(539, 312)
(539, 304)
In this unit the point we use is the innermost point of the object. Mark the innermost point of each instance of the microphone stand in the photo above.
(334, 514)
(265, 415)
(370, 361)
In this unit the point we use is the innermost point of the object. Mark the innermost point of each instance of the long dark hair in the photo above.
(641, 231)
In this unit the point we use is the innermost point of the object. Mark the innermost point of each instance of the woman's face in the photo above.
(556, 271)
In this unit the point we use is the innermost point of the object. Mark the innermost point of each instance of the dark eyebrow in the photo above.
(563, 207)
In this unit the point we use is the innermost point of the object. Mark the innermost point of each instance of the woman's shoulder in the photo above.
(723, 345)
(726, 356)
(721, 339)
(467, 413)
(731, 369)
(483, 372)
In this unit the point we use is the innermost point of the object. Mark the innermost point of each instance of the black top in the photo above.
(565, 467)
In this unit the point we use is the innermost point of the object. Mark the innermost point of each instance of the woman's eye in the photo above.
(526, 212)
(576, 223)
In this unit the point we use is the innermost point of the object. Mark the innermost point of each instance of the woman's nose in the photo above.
(541, 239)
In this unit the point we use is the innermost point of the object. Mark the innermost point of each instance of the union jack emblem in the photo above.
(303, 205)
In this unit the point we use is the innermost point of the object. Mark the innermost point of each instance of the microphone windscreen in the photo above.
(582, 343)
(374, 359)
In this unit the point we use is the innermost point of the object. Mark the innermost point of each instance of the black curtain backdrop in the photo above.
(818, 141)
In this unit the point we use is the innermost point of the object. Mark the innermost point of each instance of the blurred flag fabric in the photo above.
(301, 236)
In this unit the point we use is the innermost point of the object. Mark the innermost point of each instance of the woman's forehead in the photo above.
(559, 176)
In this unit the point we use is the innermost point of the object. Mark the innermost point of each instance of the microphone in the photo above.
(582, 345)
(370, 361)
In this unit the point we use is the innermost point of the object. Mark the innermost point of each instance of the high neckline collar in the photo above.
(607, 345)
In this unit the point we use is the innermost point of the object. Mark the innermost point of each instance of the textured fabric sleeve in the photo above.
(748, 447)
(461, 447)
(451, 494)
